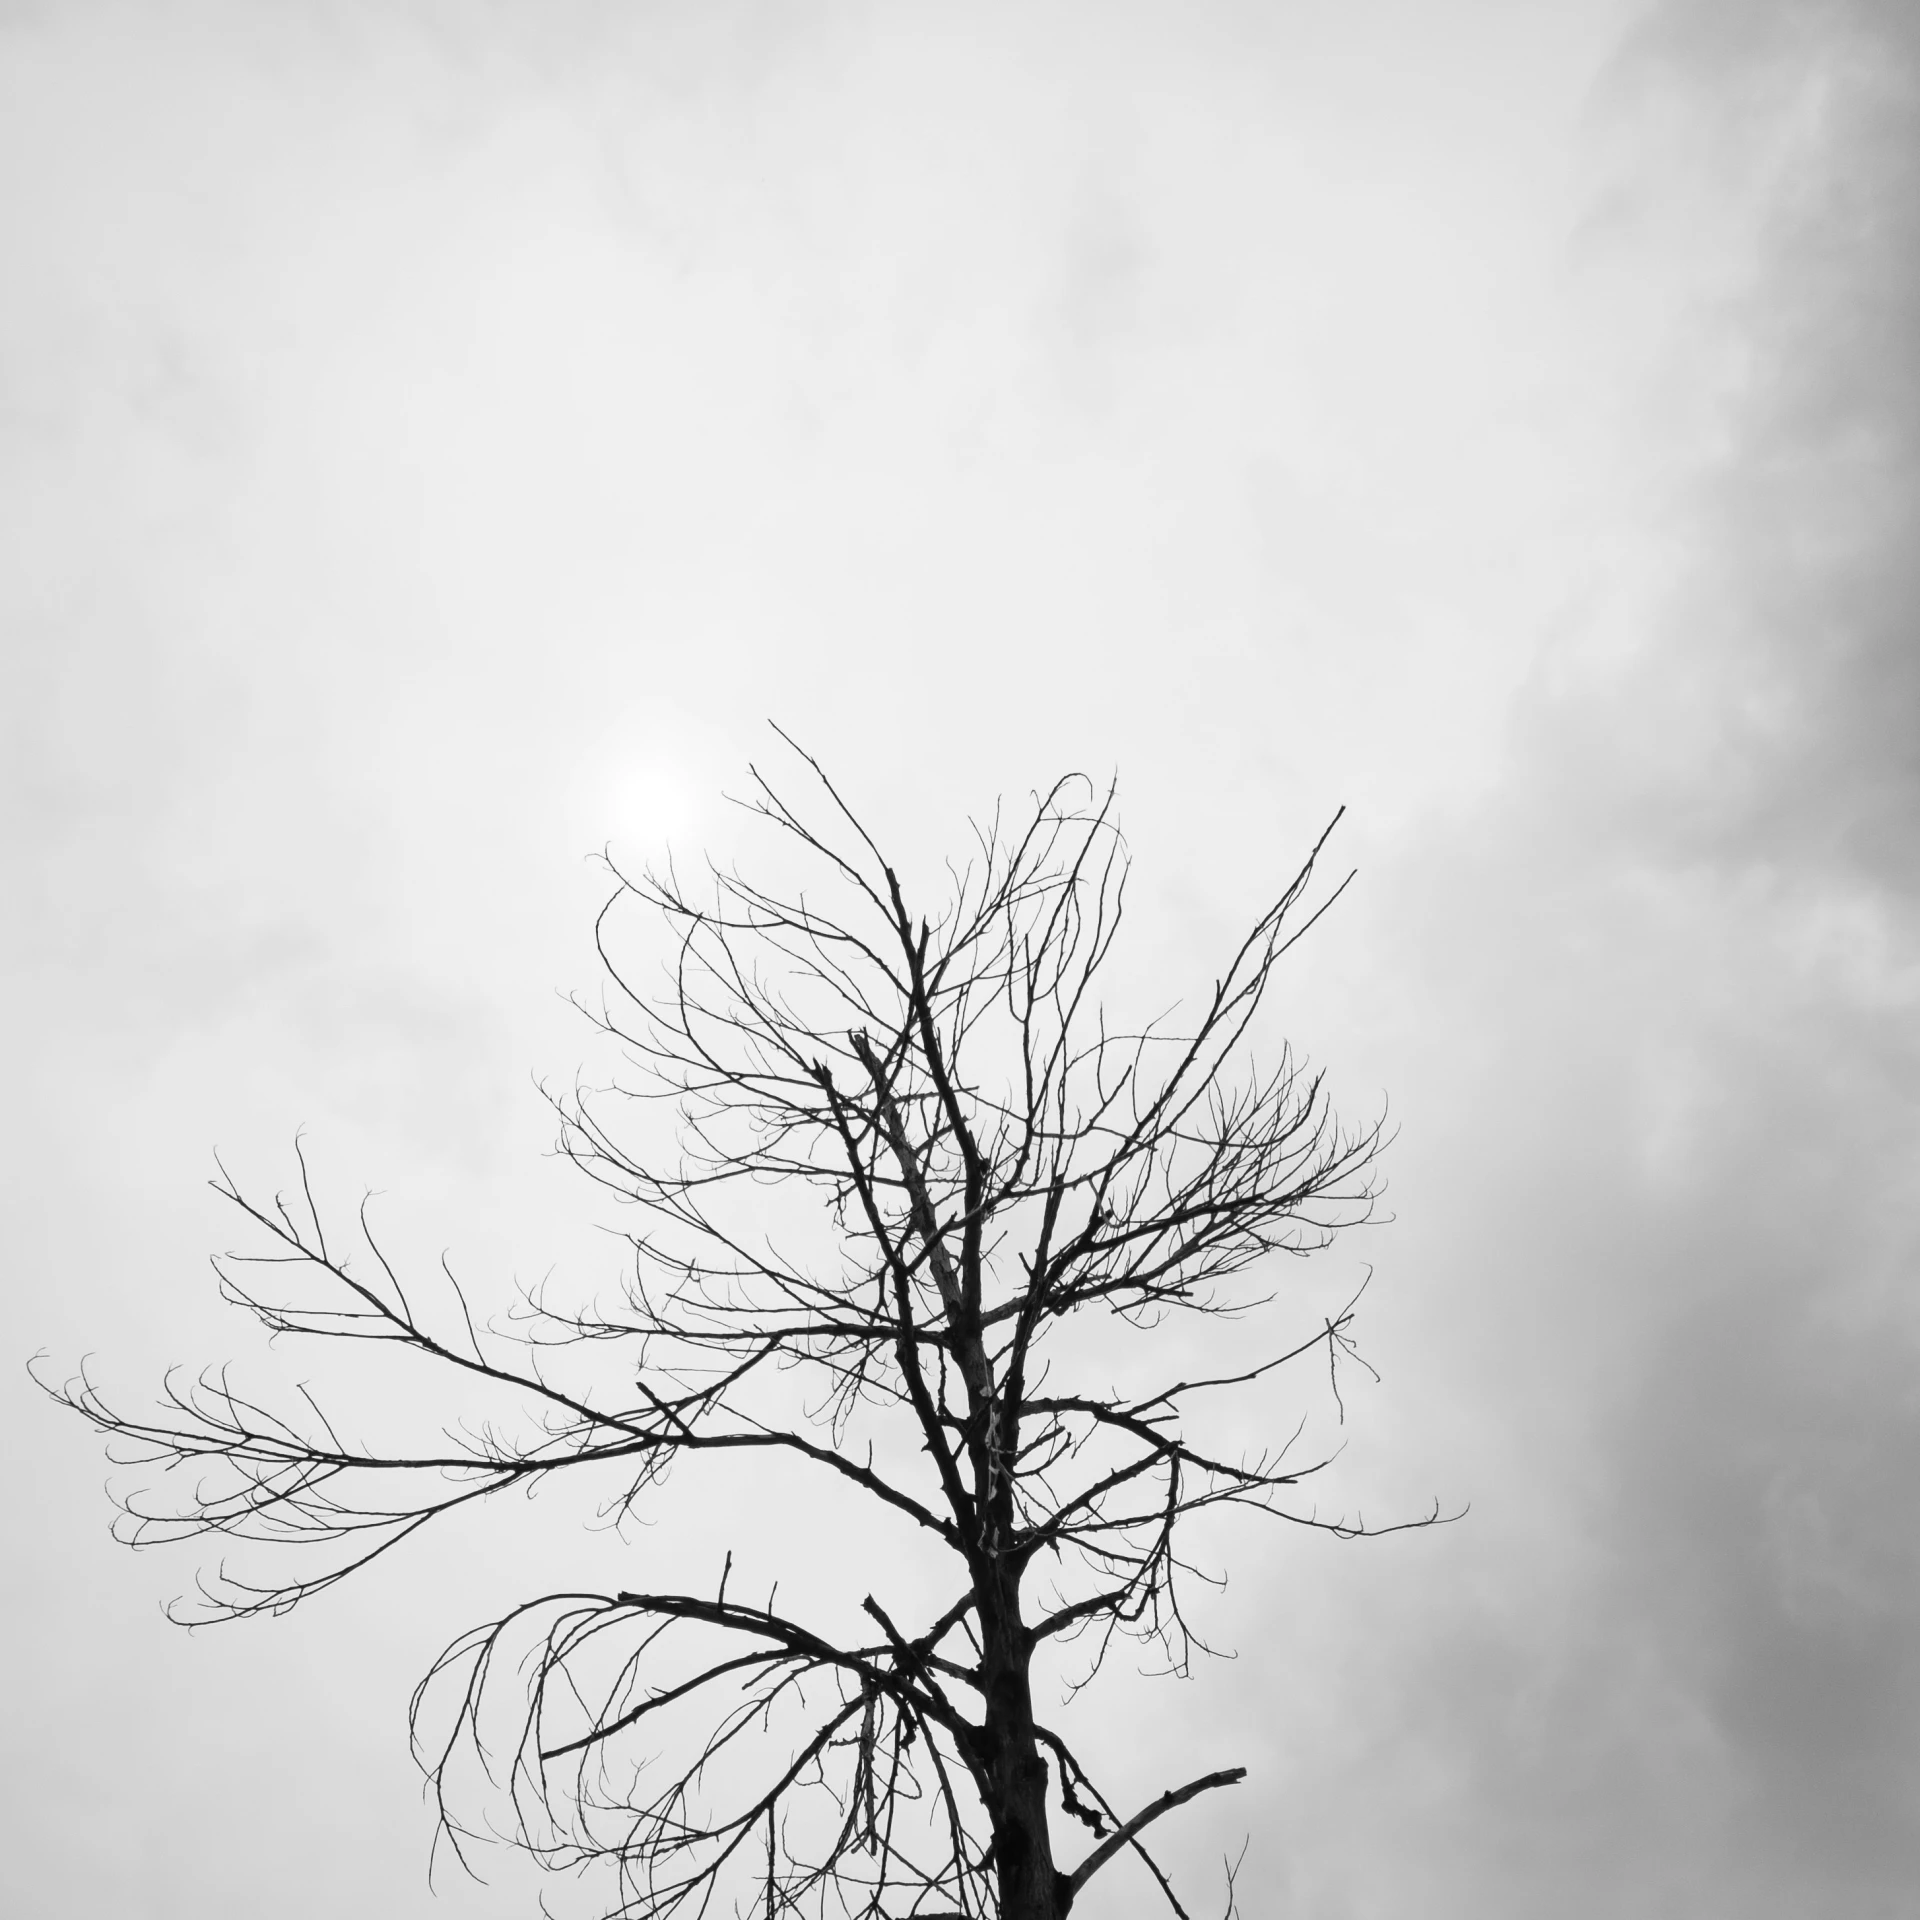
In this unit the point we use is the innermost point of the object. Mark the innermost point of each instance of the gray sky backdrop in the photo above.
(434, 438)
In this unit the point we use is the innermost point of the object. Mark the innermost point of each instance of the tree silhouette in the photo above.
(1003, 1193)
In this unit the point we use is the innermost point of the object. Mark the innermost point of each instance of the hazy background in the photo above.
(435, 438)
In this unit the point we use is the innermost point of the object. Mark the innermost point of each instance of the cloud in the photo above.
(436, 445)
(1672, 1661)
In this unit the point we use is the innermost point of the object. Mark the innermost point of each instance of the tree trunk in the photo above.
(1031, 1888)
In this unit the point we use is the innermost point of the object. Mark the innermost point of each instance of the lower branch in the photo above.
(1177, 1796)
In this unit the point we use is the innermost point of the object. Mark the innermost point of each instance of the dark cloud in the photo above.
(1680, 1671)
(1790, 659)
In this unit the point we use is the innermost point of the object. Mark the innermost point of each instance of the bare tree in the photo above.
(999, 1175)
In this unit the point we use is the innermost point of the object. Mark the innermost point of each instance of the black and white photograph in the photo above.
(962, 962)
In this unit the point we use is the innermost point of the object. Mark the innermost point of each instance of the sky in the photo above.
(436, 439)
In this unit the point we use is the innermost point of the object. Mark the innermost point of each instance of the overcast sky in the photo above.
(435, 439)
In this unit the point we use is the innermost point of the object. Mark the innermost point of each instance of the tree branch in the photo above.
(1177, 1796)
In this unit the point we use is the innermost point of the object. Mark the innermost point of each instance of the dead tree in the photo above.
(998, 1174)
